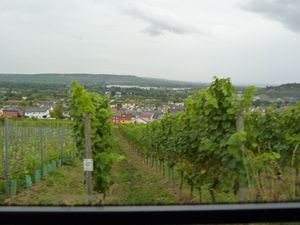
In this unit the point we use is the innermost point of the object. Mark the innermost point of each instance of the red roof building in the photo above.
(13, 111)
(122, 117)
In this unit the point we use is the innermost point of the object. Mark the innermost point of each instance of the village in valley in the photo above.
(132, 113)
(129, 104)
(124, 111)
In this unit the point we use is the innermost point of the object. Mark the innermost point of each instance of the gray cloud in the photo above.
(286, 12)
(103, 36)
(160, 21)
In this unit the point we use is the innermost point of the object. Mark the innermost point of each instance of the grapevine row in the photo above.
(30, 150)
(81, 102)
(218, 143)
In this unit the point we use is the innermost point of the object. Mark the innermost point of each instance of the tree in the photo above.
(58, 111)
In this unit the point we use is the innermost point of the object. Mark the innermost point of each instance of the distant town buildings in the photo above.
(37, 112)
(118, 94)
(145, 117)
(143, 113)
(14, 102)
(17, 109)
(124, 112)
(13, 111)
(122, 117)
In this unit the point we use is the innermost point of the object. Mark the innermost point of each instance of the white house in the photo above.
(118, 94)
(36, 112)
(108, 93)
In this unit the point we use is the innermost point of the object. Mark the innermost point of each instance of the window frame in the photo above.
(167, 214)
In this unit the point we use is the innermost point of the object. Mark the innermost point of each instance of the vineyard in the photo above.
(31, 150)
(218, 149)
(222, 148)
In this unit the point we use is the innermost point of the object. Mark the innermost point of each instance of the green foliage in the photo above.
(82, 101)
(58, 111)
(33, 144)
(205, 143)
(275, 130)
(235, 143)
(202, 140)
(247, 98)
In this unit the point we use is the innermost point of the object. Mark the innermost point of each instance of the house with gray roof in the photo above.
(37, 112)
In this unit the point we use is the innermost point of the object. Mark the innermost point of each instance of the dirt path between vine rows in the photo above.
(146, 185)
(135, 183)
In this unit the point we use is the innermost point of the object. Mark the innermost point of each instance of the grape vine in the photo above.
(217, 142)
(82, 101)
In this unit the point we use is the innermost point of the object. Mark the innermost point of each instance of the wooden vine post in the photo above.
(240, 126)
(88, 161)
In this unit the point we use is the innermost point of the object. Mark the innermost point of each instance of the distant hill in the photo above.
(90, 79)
(284, 91)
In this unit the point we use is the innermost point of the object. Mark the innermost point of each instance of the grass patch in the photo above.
(63, 186)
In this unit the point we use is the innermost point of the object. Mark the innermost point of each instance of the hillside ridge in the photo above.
(89, 79)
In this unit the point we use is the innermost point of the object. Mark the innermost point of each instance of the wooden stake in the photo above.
(88, 154)
(240, 126)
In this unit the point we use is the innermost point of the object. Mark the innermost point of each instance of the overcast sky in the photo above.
(251, 41)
